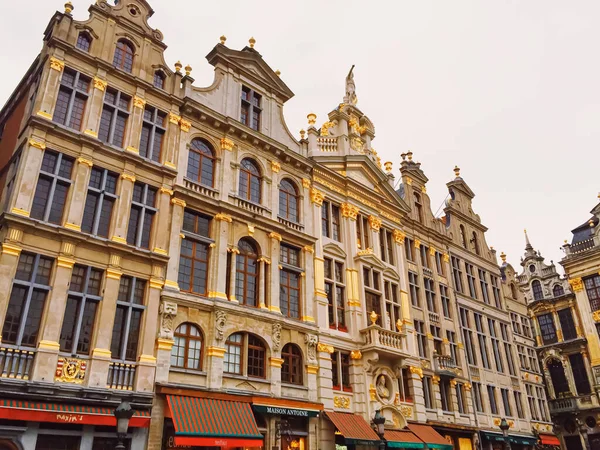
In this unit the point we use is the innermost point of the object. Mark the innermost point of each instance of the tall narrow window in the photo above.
(477, 397)
(288, 201)
(541, 398)
(386, 245)
(452, 344)
(471, 280)
(128, 319)
(495, 345)
(289, 281)
(506, 402)
(11, 179)
(531, 401)
(430, 295)
(582, 382)
(418, 207)
(72, 99)
(80, 313)
(445, 394)
(372, 283)
(84, 41)
(363, 232)
(291, 369)
(496, 291)
(466, 327)
(30, 288)
(547, 328)
(392, 305)
(330, 221)
(413, 284)
(246, 274)
(421, 339)
(484, 286)
(463, 236)
(340, 371)
(100, 201)
(251, 108)
(475, 243)
(493, 403)
(250, 181)
(115, 114)
(428, 392)
(445, 298)
(457, 275)
(592, 288)
(461, 398)
(538, 292)
(142, 214)
(558, 377)
(519, 404)
(52, 187)
(193, 260)
(153, 133)
(439, 264)
(123, 58)
(567, 325)
(558, 290)
(482, 341)
(336, 290)
(201, 163)
(187, 347)
(159, 79)
(508, 349)
(409, 249)
(425, 257)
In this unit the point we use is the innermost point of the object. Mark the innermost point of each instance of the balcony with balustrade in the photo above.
(386, 342)
(572, 404)
(16, 363)
(445, 365)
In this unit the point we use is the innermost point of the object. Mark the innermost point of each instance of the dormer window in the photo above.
(123, 58)
(159, 79)
(84, 41)
(419, 207)
(251, 108)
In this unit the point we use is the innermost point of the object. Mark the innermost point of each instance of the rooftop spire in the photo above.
(350, 97)
(528, 245)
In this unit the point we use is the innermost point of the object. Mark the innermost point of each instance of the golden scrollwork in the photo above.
(432, 251)
(37, 144)
(446, 257)
(325, 128)
(178, 202)
(139, 102)
(408, 180)
(349, 211)
(185, 125)
(576, 284)
(596, 316)
(468, 386)
(341, 402)
(128, 177)
(357, 144)
(325, 348)
(227, 144)
(70, 370)
(309, 249)
(85, 161)
(174, 118)
(223, 217)
(316, 196)
(417, 243)
(435, 379)
(373, 392)
(407, 411)
(375, 223)
(417, 370)
(312, 119)
(275, 236)
(100, 84)
(275, 166)
(355, 354)
(56, 64)
(453, 383)
(305, 183)
(366, 251)
(398, 236)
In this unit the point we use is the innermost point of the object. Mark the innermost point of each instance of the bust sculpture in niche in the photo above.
(382, 389)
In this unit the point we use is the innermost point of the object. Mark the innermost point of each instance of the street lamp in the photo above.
(504, 426)
(379, 422)
(123, 413)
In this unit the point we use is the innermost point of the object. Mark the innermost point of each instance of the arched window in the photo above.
(245, 354)
(291, 370)
(187, 348)
(159, 79)
(201, 163)
(475, 243)
(250, 181)
(558, 290)
(123, 58)
(559, 380)
(84, 41)
(246, 274)
(418, 207)
(463, 236)
(538, 292)
(288, 201)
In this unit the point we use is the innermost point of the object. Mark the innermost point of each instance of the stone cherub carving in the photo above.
(311, 346)
(276, 336)
(350, 96)
(220, 321)
(168, 311)
(382, 389)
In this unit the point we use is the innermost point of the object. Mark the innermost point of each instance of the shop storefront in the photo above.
(461, 437)
(548, 442)
(429, 436)
(495, 441)
(291, 425)
(352, 432)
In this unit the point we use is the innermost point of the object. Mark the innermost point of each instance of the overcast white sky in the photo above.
(506, 89)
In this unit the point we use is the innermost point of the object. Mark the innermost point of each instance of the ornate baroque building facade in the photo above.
(178, 248)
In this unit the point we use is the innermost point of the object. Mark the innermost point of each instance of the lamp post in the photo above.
(379, 421)
(504, 426)
(123, 413)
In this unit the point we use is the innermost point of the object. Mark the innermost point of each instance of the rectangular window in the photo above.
(531, 401)
(495, 345)
(330, 221)
(506, 402)
(533, 361)
(424, 250)
(522, 357)
(403, 386)
(582, 382)
(430, 295)
(194, 253)
(492, 397)
(251, 108)
(483, 284)
(413, 283)
(445, 297)
(386, 245)
(496, 291)
(515, 323)
(336, 290)
(477, 398)
(471, 280)
(128, 319)
(115, 114)
(439, 263)
(567, 325)
(451, 336)
(466, 327)
(485, 359)
(363, 231)
(592, 288)
(289, 281)
(461, 398)
(11, 178)
(428, 392)
(526, 324)
(437, 339)
(457, 275)
(83, 298)
(547, 328)
(392, 306)
(100, 201)
(445, 394)
(72, 99)
(421, 338)
(30, 288)
(409, 249)
(508, 350)
(153, 133)
(142, 214)
(53, 185)
(340, 371)
(519, 404)
(232, 363)
(542, 403)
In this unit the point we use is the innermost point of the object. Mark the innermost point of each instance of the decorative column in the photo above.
(325, 386)
(275, 169)
(164, 342)
(123, 208)
(216, 352)
(9, 258)
(48, 89)
(228, 178)
(320, 297)
(94, 106)
(415, 382)
(308, 287)
(218, 258)
(132, 140)
(557, 325)
(44, 365)
(234, 251)
(375, 226)
(349, 214)
(101, 354)
(357, 377)
(275, 267)
(172, 139)
(275, 361)
(78, 194)
(262, 286)
(171, 281)
(26, 180)
(161, 238)
(312, 366)
(588, 367)
(437, 396)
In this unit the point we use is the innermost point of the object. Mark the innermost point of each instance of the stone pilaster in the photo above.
(274, 268)
(9, 258)
(123, 208)
(78, 194)
(132, 139)
(26, 180)
(274, 194)
(176, 125)
(275, 364)
(175, 238)
(161, 238)
(48, 90)
(226, 176)
(218, 258)
(214, 361)
(415, 384)
(358, 380)
(308, 295)
(325, 386)
(95, 103)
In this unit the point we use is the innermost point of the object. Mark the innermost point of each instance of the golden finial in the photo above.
(409, 155)
(456, 171)
(566, 241)
(374, 316)
(178, 66)
(599, 195)
(403, 156)
(188, 70)
(388, 166)
(302, 133)
(312, 119)
(223, 38)
(252, 41)
(399, 324)
(69, 7)
(278, 72)
(503, 257)
(591, 223)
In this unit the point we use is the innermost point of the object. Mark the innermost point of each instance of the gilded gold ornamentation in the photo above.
(128, 177)
(100, 84)
(178, 202)
(375, 223)
(312, 119)
(453, 383)
(349, 211)
(37, 144)
(166, 190)
(408, 180)
(68, 8)
(185, 125)
(139, 102)
(70, 370)
(417, 370)
(417, 243)
(174, 118)
(431, 251)
(275, 166)
(388, 166)
(65, 262)
(325, 128)
(325, 348)
(56, 64)
(366, 251)
(468, 386)
(373, 392)
(576, 284)
(341, 402)
(399, 324)
(407, 411)
(227, 144)
(10, 249)
(132, 149)
(398, 236)
(596, 316)
(435, 379)
(156, 283)
(355, 354)
(87, 162)
(44, 114)
(423, 189)
(309, 249)
(446, 257)
(305, 183)
(357, 144)
(316, 196)
(223, 217)
(275, 236)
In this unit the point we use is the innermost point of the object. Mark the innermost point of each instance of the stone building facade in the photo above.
(177, 247)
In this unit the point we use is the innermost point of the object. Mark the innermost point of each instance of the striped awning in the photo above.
(213, 422)
(354, 428)
(549, 439)
(402, 439)
(432, 438)
(66, 413)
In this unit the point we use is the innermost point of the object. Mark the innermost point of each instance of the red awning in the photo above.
(209, 422)
(353, 426)
(549, 439)
(428, 435)
(64, 413)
